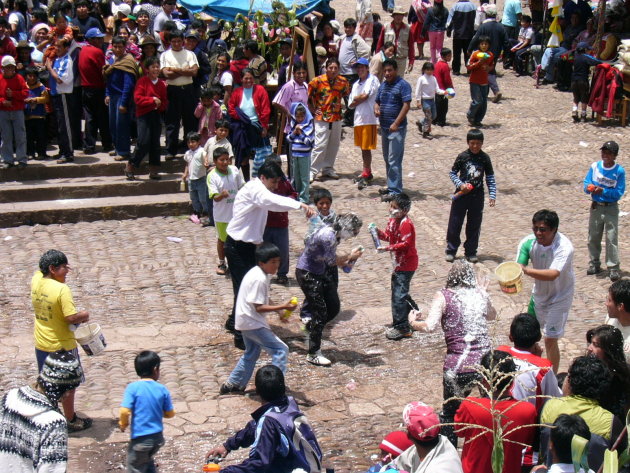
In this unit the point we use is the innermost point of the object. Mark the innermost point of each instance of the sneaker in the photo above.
(79, 423)
(21, 165)
(194, 219)
(383, 191)
(65, 159)
(318, 359)
(396, 334)
(89, 150)
(593, 269)
(120, 158)
(387, 197)
(361, 183)
(614, 275)
(312, 178)
(222, 269)
(471, 122)
(426, 135)
(576, 118)
(449, 257)
(282, 280)
(472, 259)
(497, 97)
(112, 152)
(229, 388)
(331, 174)
(6, 165)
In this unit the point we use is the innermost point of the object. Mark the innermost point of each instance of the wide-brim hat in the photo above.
(148, 40)
(398, 11)
(24, 45)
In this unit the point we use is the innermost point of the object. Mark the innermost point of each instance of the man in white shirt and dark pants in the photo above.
(245, 230)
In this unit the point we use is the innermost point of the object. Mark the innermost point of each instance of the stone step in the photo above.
(88, 210)
(86, 188)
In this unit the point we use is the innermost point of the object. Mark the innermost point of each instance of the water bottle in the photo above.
(182, 186)
(287, 312)
(348, 267)
(374, 234)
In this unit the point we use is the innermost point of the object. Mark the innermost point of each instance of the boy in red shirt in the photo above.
(13, 91)
(479, 64)
(516, 418)
(442, 74)
(401, 235)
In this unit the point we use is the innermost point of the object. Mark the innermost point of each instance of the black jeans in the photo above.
(149, 131)
(460, 385)
(62, 104)
(36, 136)
(441, 107)
(468, 206)
(241, 257)
(460, 46)
(181, 108)
(96, 118)
(76, 114)
(321, 304)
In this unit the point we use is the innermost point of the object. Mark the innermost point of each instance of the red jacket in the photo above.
(18, 86)
(261, 103)
(401, 235)
(7, 48)
(91, 62)
(143, 96)
(442, 74)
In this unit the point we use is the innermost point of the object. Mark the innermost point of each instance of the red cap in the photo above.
(395, 443)
(419, 420)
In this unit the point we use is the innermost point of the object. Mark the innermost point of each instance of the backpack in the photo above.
(303, 444)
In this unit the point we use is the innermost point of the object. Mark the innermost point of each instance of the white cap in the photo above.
(8, 61)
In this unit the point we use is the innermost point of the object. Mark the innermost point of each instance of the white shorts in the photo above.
(553, 317)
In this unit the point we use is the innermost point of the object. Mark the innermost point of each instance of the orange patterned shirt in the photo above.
(327, 98)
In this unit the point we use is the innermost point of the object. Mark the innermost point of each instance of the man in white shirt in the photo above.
(362, 100)
(245, 230)
(179, 66)
(351, 47)
(551, 254)
(618, 306)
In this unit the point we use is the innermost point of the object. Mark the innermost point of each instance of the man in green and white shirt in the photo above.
(551, 255)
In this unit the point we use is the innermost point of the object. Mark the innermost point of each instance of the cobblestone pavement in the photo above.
(150, 293)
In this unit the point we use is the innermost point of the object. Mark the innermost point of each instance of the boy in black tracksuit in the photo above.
(467, 174)
(580, 86)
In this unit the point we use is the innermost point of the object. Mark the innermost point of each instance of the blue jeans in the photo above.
(199, 197)
(430, 112)
(141, 451)
(393, 151)
(301, 166)
(255, 340)
(549, 59)
(280, 238)
(120, 126)
(479, 104)
(402, 303)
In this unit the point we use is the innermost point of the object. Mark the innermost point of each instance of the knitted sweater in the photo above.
(33, 433)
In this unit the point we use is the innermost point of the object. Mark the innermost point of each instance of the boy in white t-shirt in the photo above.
(195, 173)
(252, 304)
(224, 181)
(618, 306)
(219, 140)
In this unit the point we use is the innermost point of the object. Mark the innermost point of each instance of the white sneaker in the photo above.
(312, 178)
(318, 359)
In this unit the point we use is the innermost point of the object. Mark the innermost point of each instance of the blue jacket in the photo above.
(461, 20)
(612, 181)
(120, 83)
(302, 144)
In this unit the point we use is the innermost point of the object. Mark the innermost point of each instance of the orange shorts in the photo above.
(365, 136)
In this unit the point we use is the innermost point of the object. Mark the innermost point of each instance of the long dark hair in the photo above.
(439, 10)
(610, 340)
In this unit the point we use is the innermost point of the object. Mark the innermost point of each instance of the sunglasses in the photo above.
(541, 229)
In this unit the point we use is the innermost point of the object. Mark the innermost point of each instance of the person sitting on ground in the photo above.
(430, 451)
(391, 447)
(272, 432)
(33, 433)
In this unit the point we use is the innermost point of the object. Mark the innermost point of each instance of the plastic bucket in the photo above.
(91, 338)
(510, 277)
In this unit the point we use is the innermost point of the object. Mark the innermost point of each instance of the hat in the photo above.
(398, 11)
(395, 443)
(361, 62)
(421, 421)
(320, 51)
(147, 40)
(94, 33)
(124, 9)
(611, 146)
(61, 372)
(214, 27)
(288, 41)
(192, 34)
(24, 45)
(8, 61)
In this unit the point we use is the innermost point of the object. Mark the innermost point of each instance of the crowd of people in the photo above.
(130, 70)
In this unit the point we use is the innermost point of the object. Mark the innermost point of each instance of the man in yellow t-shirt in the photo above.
(54, 313)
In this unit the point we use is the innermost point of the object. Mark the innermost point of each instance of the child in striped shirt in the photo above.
(302, 137)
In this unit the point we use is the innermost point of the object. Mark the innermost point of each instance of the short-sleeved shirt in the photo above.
(319, 252)
(291, 92)
(254, 290)
(391, 97)
(558, 256)
(510, 13)
(52, 303)
(213, 144)
(178, 60)
(364, 112)
(327, 98)
(196, 168)
(148, 400)
(217, 183)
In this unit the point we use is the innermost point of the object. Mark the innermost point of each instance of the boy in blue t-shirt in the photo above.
(146, 401)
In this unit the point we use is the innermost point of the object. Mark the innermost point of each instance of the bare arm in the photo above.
(542, 274)
(78, 318)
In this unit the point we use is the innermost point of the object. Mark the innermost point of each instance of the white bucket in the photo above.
(91, 339)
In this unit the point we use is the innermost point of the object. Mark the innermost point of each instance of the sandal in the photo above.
(222, 269)
(79, 423)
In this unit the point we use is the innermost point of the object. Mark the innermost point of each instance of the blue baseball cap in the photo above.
(94, 33)
(361, 62)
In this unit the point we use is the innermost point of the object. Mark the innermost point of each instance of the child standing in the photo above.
(442, 74)
(61, 87)
(401, 235)
(146, 401)
(35, 115)
(252, 305)
(195, 172)
(302, 137)
(426, 89)
(471, 165)
(208, 111)
(580, 79)
(13, 91)
(479, 64)
(219, 140)
(223, 183)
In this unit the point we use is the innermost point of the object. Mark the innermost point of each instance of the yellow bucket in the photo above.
(510, 275)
